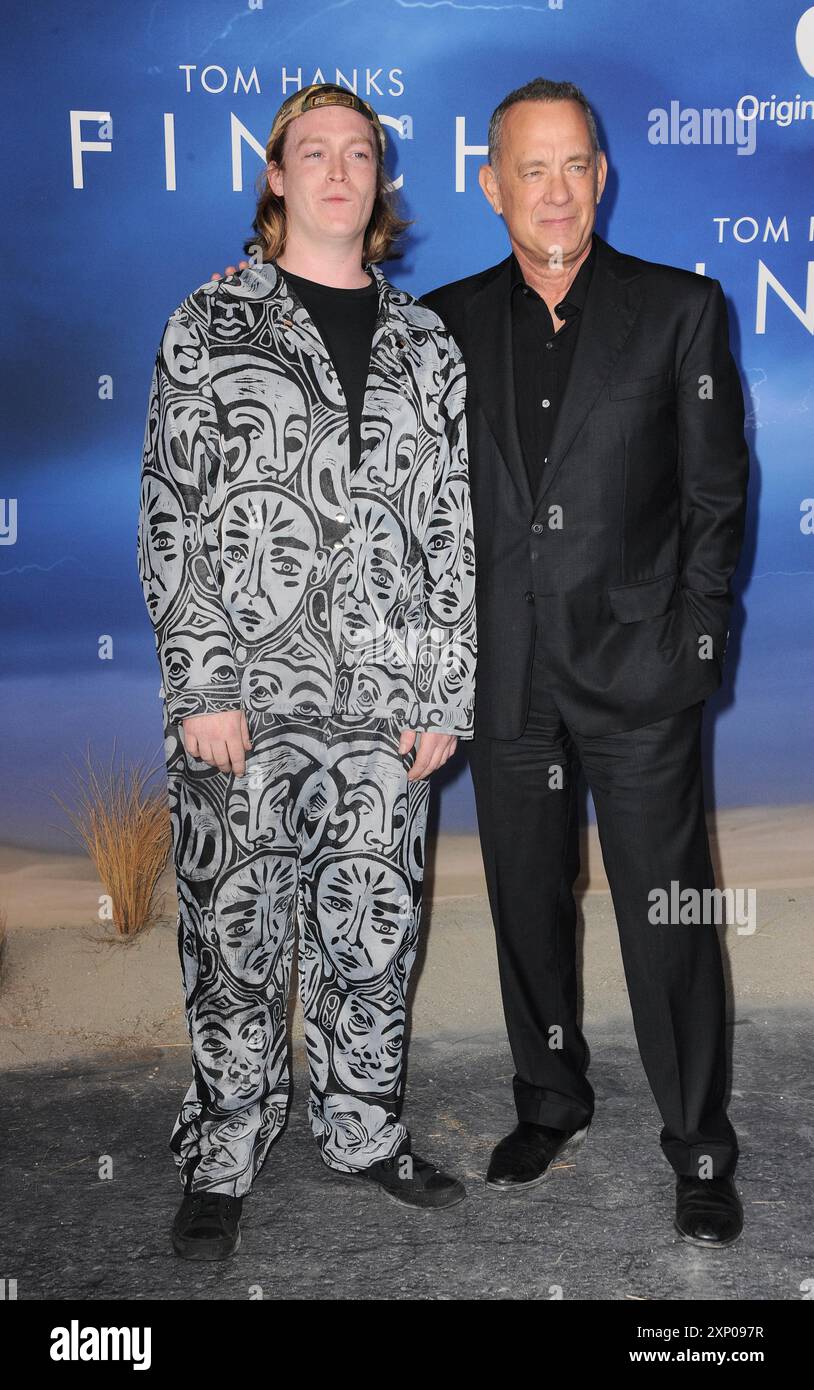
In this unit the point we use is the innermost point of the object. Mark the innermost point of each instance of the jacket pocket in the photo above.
(648, 599)
(709, 615)
(642, 386)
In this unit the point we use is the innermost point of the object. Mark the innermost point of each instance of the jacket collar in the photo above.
(574, 297)
(611, 304)
(393, 312)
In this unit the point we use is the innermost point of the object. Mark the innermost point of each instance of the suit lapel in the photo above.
(610, 308)
(489, 337)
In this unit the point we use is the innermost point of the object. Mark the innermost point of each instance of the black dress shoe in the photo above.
(708, 1211)
(207, 1225)
(412, 1181)
(524, 1157)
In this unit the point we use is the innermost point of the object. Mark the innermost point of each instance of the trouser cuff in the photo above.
(717, 1160)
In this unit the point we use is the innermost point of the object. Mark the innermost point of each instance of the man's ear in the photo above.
(489, 187)
(274, 178)
(601, 173)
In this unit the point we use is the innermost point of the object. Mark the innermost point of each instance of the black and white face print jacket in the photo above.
(274, 578)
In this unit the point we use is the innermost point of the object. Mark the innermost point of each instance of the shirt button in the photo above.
(549, 345)
(340, 516)
(528, 596)
(537, 527)
(546, 404)
(337, 545)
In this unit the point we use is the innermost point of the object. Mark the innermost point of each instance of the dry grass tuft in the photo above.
(127, 833)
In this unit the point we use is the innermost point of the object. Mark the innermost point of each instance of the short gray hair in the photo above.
(539, 89)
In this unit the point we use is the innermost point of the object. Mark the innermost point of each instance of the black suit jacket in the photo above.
(627, 551)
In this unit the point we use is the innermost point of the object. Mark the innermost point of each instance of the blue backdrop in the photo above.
(99, 250)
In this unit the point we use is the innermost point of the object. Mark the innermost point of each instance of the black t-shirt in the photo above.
(345, 320)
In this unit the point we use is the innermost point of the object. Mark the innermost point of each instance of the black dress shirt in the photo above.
(542, 358)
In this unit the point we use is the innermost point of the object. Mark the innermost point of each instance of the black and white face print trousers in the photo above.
(323, 835)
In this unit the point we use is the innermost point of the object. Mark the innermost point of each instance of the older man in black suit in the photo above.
(608, 473)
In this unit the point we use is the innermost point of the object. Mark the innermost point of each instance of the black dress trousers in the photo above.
(647, 789)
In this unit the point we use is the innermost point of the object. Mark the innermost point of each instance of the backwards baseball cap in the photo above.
(324, 94)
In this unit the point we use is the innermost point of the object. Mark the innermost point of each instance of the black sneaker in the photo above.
(412, 1181)
(207, 1225)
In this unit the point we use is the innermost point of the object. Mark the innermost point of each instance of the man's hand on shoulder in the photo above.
(219, 739)
(230, 270)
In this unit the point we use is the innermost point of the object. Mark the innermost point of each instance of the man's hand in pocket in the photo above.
(219, 739)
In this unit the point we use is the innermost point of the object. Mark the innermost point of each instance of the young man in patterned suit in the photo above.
(306, 555)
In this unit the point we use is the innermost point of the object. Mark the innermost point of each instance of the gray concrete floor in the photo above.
(598, 1227)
